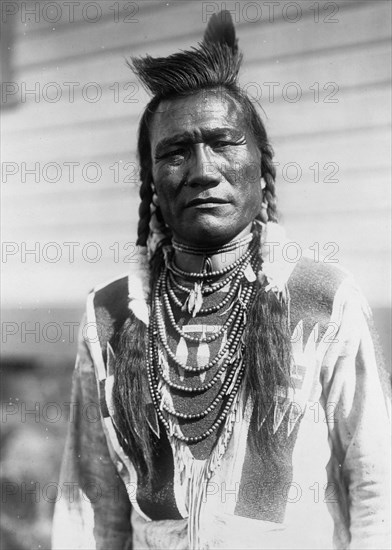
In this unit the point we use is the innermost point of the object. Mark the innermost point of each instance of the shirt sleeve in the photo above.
(93, 511)
(357, 401)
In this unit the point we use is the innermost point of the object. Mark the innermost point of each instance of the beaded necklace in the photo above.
(172, 283)
(228, 360)
(194, 301)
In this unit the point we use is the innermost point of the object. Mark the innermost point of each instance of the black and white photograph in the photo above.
(195, 275)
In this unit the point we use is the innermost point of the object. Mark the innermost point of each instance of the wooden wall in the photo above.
(332, 146)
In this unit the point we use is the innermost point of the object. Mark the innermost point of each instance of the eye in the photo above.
(175, 158)
(174, 155)
(221, 143)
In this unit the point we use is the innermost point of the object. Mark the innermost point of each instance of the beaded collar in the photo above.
(209, 251)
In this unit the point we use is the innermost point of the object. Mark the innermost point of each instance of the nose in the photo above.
(202, 168)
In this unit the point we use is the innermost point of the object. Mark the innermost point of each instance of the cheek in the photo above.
(250, 188)
(252, 173)
(253, 167)
(166, 183)
(253, 197)
(168, 174)
(247, 168)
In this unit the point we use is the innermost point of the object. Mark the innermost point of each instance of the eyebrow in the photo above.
(190, 137)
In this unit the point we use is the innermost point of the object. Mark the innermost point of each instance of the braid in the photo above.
(144, 212)
(268, 172)
(146, 192)
(131, 385)
(146, 188)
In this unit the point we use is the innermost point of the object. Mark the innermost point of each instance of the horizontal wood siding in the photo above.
(332, 149)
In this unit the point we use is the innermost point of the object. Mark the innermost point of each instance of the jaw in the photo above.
(208, 229)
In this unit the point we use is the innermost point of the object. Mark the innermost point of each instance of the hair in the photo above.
(213, 66)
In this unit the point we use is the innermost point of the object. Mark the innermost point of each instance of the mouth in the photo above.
(205, 201)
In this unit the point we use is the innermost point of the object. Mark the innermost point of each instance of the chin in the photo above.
(212, 234)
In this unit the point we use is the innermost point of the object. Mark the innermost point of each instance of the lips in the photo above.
(205, 200)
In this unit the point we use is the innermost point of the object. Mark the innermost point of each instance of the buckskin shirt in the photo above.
(328, 488)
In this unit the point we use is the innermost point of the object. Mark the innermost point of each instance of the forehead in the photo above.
(204, 110)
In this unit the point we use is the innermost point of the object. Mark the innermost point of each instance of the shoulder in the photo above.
(316, 281)
(110, 304)
(315, 287)
(310, 279)
(109, 298)
(107, 310)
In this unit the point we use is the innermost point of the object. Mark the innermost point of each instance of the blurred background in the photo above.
(70, 108)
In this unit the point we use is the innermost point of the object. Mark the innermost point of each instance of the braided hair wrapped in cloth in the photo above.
(240, 394)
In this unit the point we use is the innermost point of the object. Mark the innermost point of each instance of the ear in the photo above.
(262, 183)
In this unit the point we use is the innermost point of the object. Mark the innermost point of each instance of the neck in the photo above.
(192, 259)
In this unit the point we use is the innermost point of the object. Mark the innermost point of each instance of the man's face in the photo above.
(206, 168)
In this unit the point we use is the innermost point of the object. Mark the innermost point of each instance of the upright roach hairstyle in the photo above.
(212, 65)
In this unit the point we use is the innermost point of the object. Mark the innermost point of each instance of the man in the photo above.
(240, 395)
